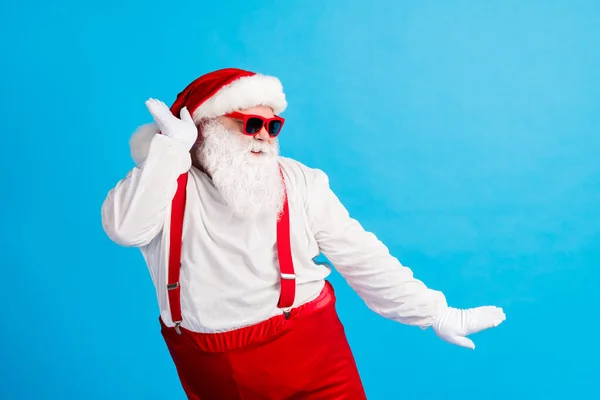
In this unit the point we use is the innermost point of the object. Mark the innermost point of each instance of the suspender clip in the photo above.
(287, 313)
(177, 329)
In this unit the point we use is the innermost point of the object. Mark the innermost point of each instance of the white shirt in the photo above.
(230, 274)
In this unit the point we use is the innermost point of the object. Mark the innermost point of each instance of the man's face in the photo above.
(243, 168)
(237, 125)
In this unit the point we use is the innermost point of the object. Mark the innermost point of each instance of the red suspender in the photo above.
(173, 288)
(286, 265)
(284, 253)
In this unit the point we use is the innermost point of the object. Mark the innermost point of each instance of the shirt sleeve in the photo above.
(387, 287)
(133, 212)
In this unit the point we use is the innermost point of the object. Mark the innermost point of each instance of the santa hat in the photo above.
(215, 94)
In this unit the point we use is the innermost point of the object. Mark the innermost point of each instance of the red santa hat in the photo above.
(215, 94)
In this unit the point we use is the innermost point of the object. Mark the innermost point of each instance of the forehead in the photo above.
(263, 111)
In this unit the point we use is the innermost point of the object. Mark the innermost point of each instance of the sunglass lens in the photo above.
(274, 127)
(253, 125)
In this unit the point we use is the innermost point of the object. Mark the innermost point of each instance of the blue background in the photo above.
(464, 134)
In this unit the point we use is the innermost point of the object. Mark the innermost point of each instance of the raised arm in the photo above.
(133, 212)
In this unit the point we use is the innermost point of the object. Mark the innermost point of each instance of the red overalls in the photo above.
(301, 354)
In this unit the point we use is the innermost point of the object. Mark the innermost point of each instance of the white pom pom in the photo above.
(139, 143)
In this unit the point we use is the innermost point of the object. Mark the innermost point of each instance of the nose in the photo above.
(263, 135)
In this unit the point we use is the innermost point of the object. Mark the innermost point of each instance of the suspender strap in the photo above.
(284, 251)
(173, 287)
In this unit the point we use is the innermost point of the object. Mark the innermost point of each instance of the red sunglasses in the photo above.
(254, 123)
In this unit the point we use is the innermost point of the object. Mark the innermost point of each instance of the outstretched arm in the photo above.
(387, 287)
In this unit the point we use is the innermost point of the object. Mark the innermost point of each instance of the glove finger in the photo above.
(185, 115)
(163, 110)
(460, 341)
(159, 111)
(154, 107)
(150, 104)
(484, 318)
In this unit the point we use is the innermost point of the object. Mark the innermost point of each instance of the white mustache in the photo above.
(263, 147)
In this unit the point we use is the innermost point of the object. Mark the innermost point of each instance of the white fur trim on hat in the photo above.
(245, 92)
(139, 143)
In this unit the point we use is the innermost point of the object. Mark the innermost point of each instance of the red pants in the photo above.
(304, 357)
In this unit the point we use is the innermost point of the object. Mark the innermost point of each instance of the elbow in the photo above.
(122, 232)
(123, 236)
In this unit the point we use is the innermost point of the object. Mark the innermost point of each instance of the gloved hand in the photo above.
(183, 130)
(453, 325)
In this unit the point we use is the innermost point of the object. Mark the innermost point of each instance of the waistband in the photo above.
(253, 334)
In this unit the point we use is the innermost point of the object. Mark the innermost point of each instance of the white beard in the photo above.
(249, 184)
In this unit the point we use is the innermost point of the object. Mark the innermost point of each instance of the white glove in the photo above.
(183, 130)
(453, 325)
